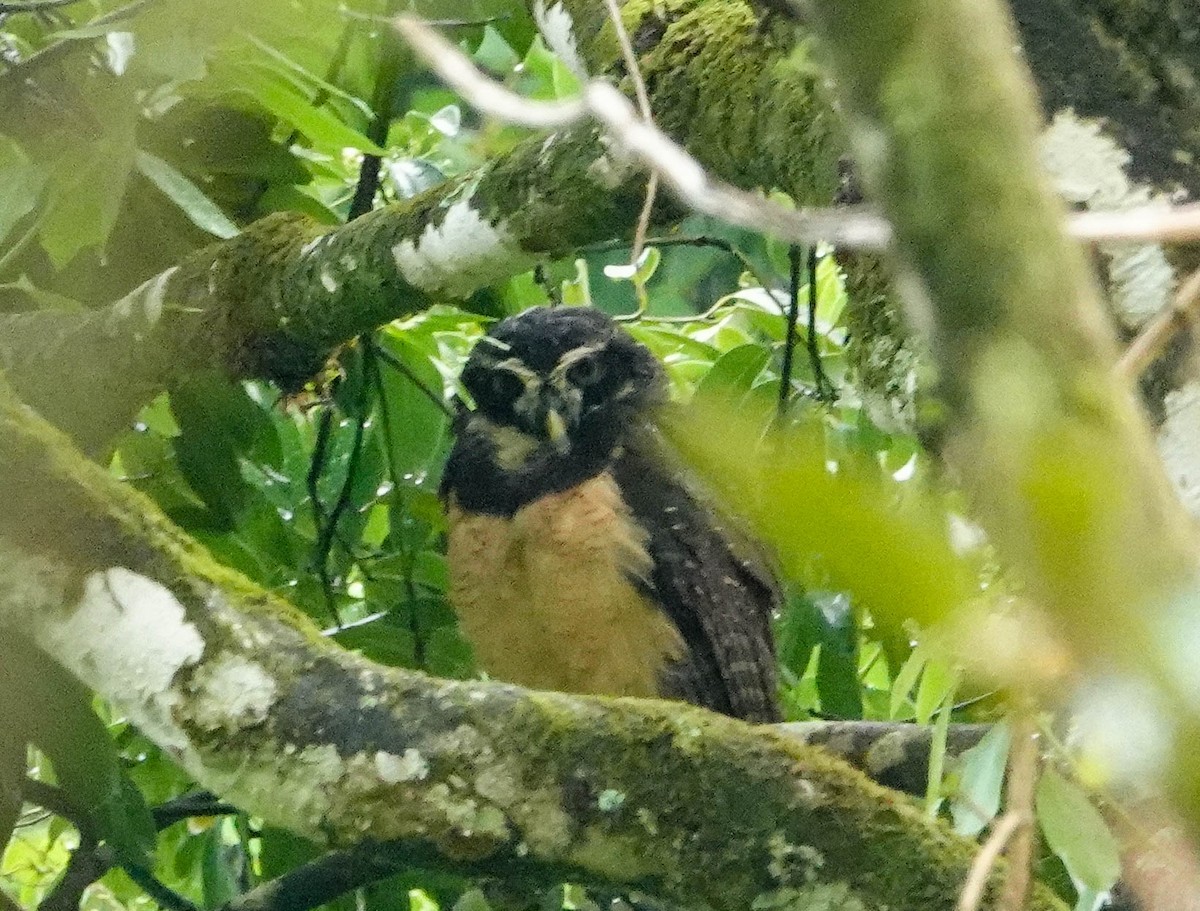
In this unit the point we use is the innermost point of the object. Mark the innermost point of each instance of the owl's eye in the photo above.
(587, 371)
(506, 386)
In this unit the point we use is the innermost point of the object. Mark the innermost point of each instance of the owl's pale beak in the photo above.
(556, 430)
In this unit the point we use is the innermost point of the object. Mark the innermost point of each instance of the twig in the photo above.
(315, 883)
(312, 479)
(1178, 316)
(643, 101)
(382, 107)
(985, 860)
(1022, 779)
(61, 803)
(789, 343)
(1151, 223)
(850, 227)
(188, 806)
(396, 364)
(87, 863)
(33, 6)
(327, 532)
(164, 896)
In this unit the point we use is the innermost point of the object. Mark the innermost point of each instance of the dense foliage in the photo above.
(133, 135)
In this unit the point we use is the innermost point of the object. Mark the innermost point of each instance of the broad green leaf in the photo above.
(86, 191)
(448, 654)
(21, 183)
(55, 712)
(1076, 832)
(380, 639)
(416, 429)
(936, 687)
(318, 124)
(312, 79)
(844, 531)
(734, 371)
(44, 300)
(220, 426)
(981, 782)
(200, 210)
(905, 680)
(837, 666)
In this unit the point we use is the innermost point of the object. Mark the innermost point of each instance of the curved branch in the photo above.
(630, 794)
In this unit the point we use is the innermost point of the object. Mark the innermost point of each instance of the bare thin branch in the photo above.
(1150, 224)
(985, 860)
(858, 228)
(643, 101)
(1022, 779)
(1181, 314)
(457, 70)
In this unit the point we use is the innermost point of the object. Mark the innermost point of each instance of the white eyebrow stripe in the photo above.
(495, 343)
(571, 357)
(517, 366)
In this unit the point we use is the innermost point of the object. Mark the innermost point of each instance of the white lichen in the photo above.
(393, 769)
(231, 693)
(558, 31)
(610, 800)
(460, 255)
(1090, 168)
(127, 638)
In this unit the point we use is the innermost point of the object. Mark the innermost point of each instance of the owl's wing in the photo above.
(716, 594)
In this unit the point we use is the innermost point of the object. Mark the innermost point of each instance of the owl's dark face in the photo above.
(562, 376)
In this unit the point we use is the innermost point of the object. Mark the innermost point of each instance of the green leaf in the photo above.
(937, 686)
(910, 671)
(318, 124)
(380, 639)
(200, 210)
(86, 191)
(56, 714)
(734, 371)
(448, 654)
(21, 183)
(219, 426)
(1077, 833)
(981, 782)
(417, 430)
(837, 665)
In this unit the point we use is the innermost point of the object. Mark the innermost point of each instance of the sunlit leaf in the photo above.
(981, 782)
(1076, 832)
(199, 209)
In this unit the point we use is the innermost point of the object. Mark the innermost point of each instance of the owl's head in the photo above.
(562, 375)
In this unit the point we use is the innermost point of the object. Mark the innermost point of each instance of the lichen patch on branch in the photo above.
(558, 31)
(463, 253)
(103, 641)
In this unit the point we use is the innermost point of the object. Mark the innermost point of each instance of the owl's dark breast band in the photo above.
(482, 484)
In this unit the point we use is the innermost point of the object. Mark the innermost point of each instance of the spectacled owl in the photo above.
(581, 560)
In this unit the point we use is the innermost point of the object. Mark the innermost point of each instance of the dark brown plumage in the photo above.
(579, 558)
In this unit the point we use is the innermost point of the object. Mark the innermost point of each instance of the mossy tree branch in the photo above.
(482, 778)
(275, 301)
(1047, 438)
